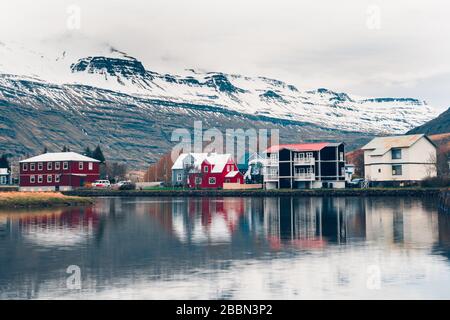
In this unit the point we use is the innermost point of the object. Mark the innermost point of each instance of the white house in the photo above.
(5, 176)
(186, 162)
(406, 158)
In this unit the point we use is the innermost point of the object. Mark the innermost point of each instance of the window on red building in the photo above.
(80, 165)
(65, 165)
(57, 165)
(57, 177)
(205, 169)
(25, 167)
(212, 180)
(49, 178)
(49, 165)
(32, 167)
(40, 166)
(32, 179)
(40, 179)
(91, 166)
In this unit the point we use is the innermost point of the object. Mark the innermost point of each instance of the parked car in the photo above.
(126, 185)
(356, 183)
(101, 184)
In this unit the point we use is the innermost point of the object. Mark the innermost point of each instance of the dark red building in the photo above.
(57, 171)
(214, 171)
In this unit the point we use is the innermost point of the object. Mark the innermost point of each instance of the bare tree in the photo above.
(432, 167)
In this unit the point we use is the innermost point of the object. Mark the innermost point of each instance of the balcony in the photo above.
(304, 176)
(304, 161)
(272, 162)
(271, 177)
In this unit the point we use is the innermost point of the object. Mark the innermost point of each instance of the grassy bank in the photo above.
(255, 193)
(39, 199)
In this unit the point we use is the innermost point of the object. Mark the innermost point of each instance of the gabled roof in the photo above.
(218, 161)
(299, 147)
(231, 174)
(198, 159)
(381, 145)
(59, 156)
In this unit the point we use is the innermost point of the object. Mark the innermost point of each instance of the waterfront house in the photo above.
(205, 170)
(215, 170)
(57, 171)
(399, 159)
(305, 165)
(186, 163)
(5, 177)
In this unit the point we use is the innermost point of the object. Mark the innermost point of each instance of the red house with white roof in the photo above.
(214, 171)
(55, 171)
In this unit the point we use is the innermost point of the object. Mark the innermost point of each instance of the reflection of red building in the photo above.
(214, 171)
(229, 209)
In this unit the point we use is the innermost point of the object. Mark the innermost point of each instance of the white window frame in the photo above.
(40, 166)
(25, 167)
(179, 177)
(65, 165)
(49, 165)
(80, 165)
(212, 179)
(33, 179)
(32, 167)
(57, 178)
(49, 178)
(57, 165)
(206, 169)
(90, 166)
(40, 178)
(198, 180)
(309, 155)
(2, 179)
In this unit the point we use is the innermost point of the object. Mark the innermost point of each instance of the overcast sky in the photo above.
(370, 48)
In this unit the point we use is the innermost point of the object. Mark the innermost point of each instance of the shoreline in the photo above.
(410, 192)
(21, 200)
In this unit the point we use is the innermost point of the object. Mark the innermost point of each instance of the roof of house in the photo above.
(301, 146)
(219, 161)
(198, 159)
(59, 156)
(4, 171)
(381, 145)
(231, 174)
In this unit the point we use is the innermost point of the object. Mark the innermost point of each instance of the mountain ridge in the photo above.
(114, 100)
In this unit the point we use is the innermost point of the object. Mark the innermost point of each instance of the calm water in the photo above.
(237, 248)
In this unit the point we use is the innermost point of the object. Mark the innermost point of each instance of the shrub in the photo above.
(436, 182)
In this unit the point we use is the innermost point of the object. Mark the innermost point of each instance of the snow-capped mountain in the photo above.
(100, 82)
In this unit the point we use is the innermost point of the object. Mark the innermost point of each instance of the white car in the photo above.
(101, 184)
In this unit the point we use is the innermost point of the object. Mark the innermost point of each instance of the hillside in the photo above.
(441, 124)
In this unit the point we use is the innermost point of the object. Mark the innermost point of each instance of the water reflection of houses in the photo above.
(313, 222)
(52, 227)
(207, 220)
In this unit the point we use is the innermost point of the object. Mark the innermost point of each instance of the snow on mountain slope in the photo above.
(101, 66)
